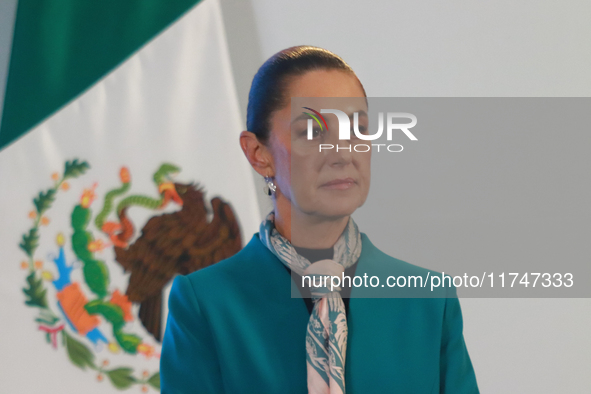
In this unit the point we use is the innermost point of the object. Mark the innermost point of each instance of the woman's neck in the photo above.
(307, 231)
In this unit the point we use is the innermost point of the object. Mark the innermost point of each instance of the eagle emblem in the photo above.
(80, 307)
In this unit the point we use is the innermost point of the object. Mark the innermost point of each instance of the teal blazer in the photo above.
(234, 327)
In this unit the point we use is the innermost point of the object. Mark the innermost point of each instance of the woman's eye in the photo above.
(362, 130)
(315, 133)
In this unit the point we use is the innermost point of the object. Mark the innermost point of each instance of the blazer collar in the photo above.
(369, 262)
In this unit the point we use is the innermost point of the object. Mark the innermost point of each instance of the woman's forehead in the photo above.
(325, 83)
(304, 105)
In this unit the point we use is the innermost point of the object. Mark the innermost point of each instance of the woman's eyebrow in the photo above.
(300, 117)
(304, 116)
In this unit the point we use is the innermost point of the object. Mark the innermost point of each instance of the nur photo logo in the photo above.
(393, 124)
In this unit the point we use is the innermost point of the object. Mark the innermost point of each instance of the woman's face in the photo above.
(303, 171)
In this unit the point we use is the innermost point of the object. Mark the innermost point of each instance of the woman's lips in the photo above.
(340, 184)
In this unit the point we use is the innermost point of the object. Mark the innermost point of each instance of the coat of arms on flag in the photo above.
(80, 310)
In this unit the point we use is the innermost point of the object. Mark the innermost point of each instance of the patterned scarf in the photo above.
(326, 336)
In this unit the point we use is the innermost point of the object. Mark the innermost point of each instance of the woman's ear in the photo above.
(257, 154)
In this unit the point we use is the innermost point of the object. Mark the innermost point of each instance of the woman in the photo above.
(234, 327)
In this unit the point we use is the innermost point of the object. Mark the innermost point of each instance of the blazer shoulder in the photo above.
(386, 265)
(252, 262)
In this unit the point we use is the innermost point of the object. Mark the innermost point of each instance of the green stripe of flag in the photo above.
(62, 47)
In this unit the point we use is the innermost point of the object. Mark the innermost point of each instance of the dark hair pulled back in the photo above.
(267, 92)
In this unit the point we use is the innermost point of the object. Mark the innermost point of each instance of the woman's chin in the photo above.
(336, 209)
(330, 205)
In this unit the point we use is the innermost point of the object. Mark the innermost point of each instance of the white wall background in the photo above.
(453, 48)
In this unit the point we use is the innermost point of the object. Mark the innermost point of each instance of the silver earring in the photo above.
(271, 187)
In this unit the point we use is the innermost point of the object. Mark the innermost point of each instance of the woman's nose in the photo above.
(342, 150)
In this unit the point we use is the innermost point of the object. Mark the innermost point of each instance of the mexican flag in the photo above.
(120, 168)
